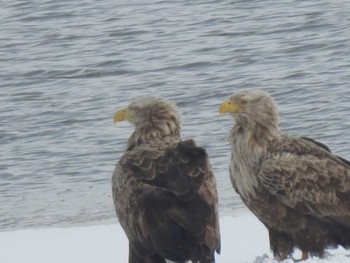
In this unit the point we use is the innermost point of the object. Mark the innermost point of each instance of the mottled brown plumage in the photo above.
(294, 185)
(164, 190)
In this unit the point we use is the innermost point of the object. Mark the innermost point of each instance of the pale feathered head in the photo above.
(152, 117)
(252, 106)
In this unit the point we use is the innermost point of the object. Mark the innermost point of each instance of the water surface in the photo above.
(67, 66)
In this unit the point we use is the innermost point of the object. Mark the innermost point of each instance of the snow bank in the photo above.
(244, 239)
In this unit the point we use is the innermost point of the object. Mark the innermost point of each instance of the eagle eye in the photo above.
(244, 102)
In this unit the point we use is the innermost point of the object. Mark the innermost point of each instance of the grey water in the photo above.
(66, 66)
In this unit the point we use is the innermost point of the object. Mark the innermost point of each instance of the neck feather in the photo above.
(249, 142)
(255, 132)
(143, 134)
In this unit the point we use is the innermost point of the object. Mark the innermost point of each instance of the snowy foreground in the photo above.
(244, 239)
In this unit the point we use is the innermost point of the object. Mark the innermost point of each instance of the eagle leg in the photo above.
(281, 244)
(304, 255)
(283, 255)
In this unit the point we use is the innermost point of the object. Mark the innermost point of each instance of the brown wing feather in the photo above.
(308, 178)
(325, 147)
(172, 202)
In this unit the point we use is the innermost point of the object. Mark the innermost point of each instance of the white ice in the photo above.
(244, 239)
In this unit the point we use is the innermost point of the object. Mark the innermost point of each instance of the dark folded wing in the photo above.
(306, 177)
(176, 201)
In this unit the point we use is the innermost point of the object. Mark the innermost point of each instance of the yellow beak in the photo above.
(121, 115)
(228, 106)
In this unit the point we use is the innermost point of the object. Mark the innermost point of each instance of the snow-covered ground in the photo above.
(244, 239)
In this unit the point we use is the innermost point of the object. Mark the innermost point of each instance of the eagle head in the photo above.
(152, 117)
(251, 106)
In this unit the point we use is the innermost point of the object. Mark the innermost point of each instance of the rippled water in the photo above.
(66, 66)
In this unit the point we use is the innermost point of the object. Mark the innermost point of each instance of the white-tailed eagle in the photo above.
(294, 185)
(164, 190)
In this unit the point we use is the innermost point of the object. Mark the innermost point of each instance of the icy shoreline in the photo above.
(244, 239)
